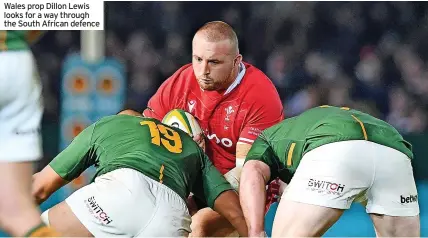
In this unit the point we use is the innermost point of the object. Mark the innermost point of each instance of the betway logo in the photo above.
(98, 211)
(320, 184)
(226, 142)
(409, 199)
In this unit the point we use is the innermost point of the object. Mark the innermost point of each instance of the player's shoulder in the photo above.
(119, 118)
(257, 87)
(256, 76)
(180, 79)
(183, 72)
(257, 81)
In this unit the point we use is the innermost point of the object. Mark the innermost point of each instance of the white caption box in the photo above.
(52, 15)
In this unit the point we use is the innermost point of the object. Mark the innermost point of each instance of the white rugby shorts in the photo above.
(337, 174)
(126, 203)
(21, 107)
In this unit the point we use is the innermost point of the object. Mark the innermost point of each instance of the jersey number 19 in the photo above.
(169, 134)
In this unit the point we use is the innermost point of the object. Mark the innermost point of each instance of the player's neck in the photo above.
(233, 77)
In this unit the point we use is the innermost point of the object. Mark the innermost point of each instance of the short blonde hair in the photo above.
(218, 31)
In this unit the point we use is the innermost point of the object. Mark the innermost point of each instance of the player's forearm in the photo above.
(227, 205)
(252, 196)
(45, 183)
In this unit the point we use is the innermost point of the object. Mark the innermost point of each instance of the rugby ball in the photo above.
(182, 120)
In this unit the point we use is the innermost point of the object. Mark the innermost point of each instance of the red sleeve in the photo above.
(266, 112)
(165, 97)
(158, 105)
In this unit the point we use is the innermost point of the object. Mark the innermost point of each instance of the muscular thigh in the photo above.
(63, 220)
(332, 175)
(126, 203)
(393, 191)
(326, 183)
(113, 205)
(295, 219)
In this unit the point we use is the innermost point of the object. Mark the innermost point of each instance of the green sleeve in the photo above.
(262, 151)
(211, 183)
(77, 157)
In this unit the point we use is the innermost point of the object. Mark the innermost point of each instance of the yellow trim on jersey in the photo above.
(290, 154)
(3, 39)
(324, 106)
(192, 122)
(161, 174)
(345, 108)
(362, 126)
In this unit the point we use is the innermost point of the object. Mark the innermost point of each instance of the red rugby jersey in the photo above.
(250, 105)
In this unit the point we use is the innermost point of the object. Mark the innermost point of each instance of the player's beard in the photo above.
(210, 84)
(207, 84)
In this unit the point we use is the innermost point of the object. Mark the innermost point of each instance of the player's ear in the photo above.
(238, 60)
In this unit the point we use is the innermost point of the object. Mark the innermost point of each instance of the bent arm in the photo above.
(45, 183)
(65, 167)
(255, 176)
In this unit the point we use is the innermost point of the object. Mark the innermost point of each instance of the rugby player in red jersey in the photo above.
(232, 100)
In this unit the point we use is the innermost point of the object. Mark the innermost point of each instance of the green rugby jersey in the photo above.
(283, 145)
(161, 152)
(18, 40)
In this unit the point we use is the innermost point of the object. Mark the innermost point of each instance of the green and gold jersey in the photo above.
(282, 146)
(18, 40)
(161, 152)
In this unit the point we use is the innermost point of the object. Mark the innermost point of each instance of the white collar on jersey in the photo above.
(238, 79)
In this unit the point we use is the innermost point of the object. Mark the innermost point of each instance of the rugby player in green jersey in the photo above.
(331, 157)
(20, 140)
(145, 171)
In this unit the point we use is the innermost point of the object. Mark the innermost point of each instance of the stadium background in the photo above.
(366, 55)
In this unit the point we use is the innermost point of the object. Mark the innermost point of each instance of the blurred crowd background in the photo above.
(365, 55)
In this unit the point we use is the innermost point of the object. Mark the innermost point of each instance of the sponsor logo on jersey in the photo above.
(226, 142)
(191, 105)
(327, 187)
(97, 211)
(409, 199)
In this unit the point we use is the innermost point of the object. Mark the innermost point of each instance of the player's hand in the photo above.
(200, 139)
